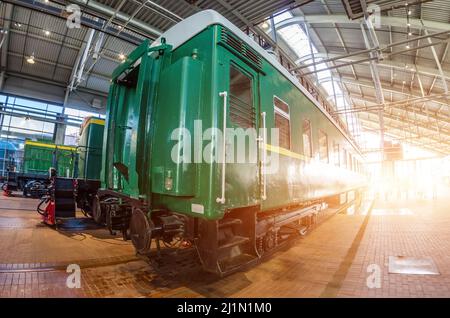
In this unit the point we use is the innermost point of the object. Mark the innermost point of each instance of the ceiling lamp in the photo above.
(46, 32)
(122, 57)
(30, 60)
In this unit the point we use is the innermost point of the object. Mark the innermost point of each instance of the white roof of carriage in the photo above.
(193, 25)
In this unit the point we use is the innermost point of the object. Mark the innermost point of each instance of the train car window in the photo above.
(323, 146)
(282, 122)
(242, 112)
(337, 154)
(307, 138)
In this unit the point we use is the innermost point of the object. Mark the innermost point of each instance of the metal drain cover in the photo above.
(412, 265)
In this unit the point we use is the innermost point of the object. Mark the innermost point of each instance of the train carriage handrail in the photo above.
(223, 94)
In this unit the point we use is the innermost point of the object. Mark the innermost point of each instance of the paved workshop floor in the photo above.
(339, 258)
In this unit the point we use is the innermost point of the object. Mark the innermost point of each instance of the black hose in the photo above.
(44, 199)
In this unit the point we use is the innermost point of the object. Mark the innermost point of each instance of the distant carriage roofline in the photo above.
(195, 24)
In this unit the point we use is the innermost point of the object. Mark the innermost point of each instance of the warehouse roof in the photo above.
(411, 92)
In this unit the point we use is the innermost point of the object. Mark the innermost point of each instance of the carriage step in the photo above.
(229, 222)
(234, 241)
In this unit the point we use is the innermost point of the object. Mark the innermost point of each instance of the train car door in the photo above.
(240, 93)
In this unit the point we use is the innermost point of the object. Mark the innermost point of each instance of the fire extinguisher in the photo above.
(48, 213)
(6, 191)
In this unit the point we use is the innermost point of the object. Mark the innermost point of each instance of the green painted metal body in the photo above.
(172, 89)
(90, 149)
(39, 157)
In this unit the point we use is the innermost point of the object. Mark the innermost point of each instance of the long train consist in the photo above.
(201, 76)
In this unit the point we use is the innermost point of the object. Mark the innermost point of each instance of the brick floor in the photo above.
(331, 261)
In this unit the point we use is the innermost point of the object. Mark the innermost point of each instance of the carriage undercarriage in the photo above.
(241, 239)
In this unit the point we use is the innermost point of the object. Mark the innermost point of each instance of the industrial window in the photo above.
(282, 122)
(337, 155)
(344, 158)
(323, 146)
(242, 112)
(307, 138)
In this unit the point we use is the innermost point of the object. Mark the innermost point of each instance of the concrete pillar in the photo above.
(60, 130)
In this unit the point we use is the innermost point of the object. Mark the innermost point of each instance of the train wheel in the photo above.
(97, 213)
(141, 229)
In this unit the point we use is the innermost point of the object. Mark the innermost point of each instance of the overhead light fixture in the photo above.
(265, 25)
(408, 24)
(409, 33)
(122, 57)
(30, 59)
(46, 32)
(409, 12)
(18, 25)
(404, 82)
(407, 46)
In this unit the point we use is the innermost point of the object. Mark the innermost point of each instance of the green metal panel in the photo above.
(207, 181)
(173, 170)
(39, 157)
(126, 155)
(90, 149)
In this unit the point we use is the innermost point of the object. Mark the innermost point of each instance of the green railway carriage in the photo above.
(89, 150)
(164, 157)
(40, 156)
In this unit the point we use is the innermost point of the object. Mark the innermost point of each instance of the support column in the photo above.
(60, 130)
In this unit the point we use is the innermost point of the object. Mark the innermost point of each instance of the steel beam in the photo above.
(438, 63)
(366, 82)
(420, 141)
(4, 44)
(395, 133)
(104, 9)
(320, 19)
(371, 42)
